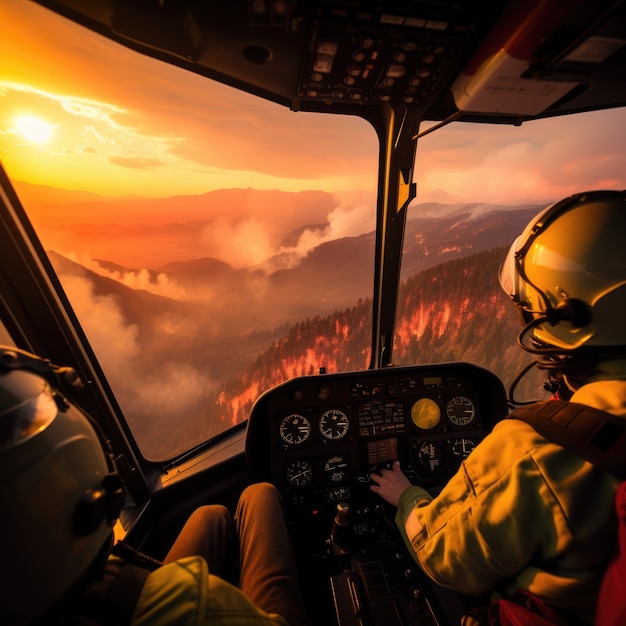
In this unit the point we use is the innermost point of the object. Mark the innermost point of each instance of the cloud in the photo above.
(542, 159)
(162, 285)
(86, 131)
(109, 334)
(97, 111)
(136, 162)
(251, 242)
(149, 397)
(242, 244)
(342, 222)
(171, 393)
(159, 284)
(332, 145)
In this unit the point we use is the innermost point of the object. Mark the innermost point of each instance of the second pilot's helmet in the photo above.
(566, 272)
(60, 493)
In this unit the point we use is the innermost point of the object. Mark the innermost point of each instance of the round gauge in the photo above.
(425, 413)
(299, 473)
(462, 447)
(295, 429)
(334, 424)
(336, 468)
(460, 411)
(432, 456)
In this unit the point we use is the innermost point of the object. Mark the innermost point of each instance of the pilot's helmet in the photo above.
(567, 272)
(60, 494)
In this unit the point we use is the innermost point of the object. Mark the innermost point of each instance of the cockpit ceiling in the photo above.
(489, 61)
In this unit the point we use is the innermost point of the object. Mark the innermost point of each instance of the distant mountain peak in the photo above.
(438, 195)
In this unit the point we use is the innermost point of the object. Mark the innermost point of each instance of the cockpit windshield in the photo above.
(213, 244)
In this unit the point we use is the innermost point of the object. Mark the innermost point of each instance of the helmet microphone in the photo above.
(572, 310)
(98, 505)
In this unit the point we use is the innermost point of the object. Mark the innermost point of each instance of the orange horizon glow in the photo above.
(115, 157)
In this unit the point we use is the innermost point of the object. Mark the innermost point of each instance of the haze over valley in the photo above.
(195, 339)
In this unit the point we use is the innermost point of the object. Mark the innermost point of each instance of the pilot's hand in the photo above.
(390, 484)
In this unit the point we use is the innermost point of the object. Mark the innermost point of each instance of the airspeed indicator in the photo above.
(295, 429)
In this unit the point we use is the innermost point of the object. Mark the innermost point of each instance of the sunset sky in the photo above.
(80, 112)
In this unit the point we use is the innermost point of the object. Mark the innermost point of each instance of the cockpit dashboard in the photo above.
(318, 438)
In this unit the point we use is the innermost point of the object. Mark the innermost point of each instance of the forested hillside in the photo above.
(452, 312)
(197, 342)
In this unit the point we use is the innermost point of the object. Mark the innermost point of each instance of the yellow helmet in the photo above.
(567, 272)
(60, 493)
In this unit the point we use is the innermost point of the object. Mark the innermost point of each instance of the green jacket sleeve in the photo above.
(412, 498)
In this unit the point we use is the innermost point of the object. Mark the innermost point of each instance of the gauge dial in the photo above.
(462, 447)
(295, 429)
(336, 468)
(432, 456)
(460, 411)
(299, 473)
(425, 413)
(334, 424)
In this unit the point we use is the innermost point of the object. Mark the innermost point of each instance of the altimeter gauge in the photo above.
(295, 429)
(334, 424)
(460, 411)
(299, 473)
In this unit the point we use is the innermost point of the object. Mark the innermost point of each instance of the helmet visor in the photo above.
(509, 274)
(22, 417)
(530, 302)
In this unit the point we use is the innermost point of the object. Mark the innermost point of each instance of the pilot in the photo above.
(523, 513)
(61, 496)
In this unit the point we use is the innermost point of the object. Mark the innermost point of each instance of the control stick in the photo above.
(342, 533)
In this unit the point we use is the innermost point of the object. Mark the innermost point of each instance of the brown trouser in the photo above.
(267, 567)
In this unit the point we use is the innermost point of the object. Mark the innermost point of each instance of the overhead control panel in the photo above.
(352, 55)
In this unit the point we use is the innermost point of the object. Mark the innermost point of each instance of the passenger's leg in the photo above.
(208, 533)
(268, 566)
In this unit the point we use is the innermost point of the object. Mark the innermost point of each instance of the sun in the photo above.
(33, 129)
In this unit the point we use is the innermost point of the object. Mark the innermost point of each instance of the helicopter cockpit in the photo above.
(408, 68)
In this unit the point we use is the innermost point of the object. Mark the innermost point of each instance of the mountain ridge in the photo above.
(198, 340)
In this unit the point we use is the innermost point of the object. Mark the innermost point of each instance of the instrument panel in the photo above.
(325, 434)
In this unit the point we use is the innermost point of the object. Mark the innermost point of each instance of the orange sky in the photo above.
(135, 125)
(80, 112)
